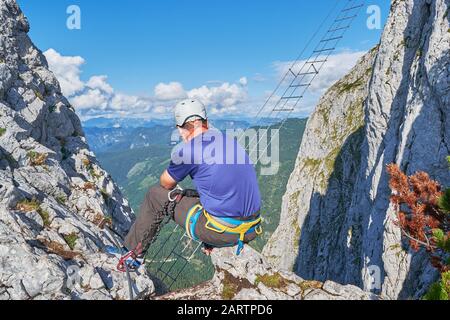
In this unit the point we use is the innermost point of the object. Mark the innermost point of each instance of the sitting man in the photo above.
(224, 211)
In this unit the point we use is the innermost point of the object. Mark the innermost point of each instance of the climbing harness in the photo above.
(233, 226)
(222, 225)
(178, 193)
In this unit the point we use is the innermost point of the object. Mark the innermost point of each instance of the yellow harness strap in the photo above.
(242, 229)
(216, 226)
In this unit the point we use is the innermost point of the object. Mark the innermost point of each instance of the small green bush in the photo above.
(350, 86)
(45, 216)
(61, 199)
(39, 95)
(34, 205)
(27, 205)
(440, 290)
(71, 240)
(36, 158)
(272, 281)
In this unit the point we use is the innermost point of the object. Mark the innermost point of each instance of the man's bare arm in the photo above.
(166, 181)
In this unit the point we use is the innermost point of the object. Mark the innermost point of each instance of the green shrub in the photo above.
(419, 53)
(346, 87)
(94, 173)
(61, 199)
(28, 205)
(45, 216)
(71, 240)
(444, 201)
(39, 95)
(272, 281)
(34, 205)
(229, 290)
(440, 290)
(36, 158)
(2, 131)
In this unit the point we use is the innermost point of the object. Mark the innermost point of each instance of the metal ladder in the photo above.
(168, 267)
(301, 77)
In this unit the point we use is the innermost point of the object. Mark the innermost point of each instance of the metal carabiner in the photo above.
(169, 195)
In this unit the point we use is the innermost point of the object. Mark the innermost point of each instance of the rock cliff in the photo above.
(392, 107)
(249, 277)
(53, 193)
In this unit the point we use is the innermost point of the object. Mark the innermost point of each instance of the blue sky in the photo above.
(139, 44)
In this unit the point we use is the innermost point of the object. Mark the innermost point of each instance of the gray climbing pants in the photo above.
(153, 211)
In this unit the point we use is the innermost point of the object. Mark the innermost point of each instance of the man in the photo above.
(225, 212)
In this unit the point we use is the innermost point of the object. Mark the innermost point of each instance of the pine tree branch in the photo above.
(428, 245)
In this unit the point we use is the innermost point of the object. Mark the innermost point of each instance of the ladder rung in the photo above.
(322, 50)
(291, 97)
(179, 255)
(283, 110)
(345, 18)
(169, 277)
(300, 85)
(166, 275)
(307, 73)
(317, 61)
(331, 39)
(337, 29)
(355, 7)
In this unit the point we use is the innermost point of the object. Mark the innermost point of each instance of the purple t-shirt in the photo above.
(222, 174)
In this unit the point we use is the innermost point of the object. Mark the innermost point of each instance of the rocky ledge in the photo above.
(249, 277)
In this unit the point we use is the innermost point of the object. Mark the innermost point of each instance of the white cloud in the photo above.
(169, 91)
(220, 99)
(100, 82)
(90, 99)
(161, 109)
(67, 70)
(96, 97)
(243, 81)
(123, 101)
(337, 66)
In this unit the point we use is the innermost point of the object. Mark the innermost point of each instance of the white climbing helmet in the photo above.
(189, 110)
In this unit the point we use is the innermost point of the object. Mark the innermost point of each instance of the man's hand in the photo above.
(166, 181)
